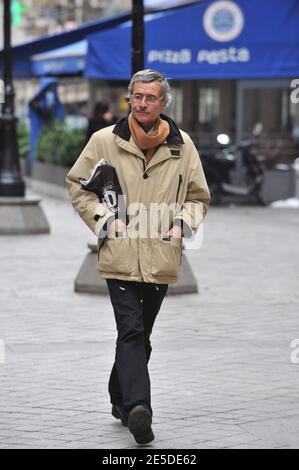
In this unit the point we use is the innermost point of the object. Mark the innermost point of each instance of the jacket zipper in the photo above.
(179, 185)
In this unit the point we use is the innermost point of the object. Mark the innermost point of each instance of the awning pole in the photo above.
(137, 40)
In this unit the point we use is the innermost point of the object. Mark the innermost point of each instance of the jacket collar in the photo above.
(175, 137)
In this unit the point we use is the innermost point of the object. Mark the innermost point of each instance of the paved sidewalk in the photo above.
(221, 369)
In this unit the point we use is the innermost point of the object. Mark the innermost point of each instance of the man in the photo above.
(158, 169)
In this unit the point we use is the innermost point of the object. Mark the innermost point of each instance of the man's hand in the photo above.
(175, 232)
(117, 226)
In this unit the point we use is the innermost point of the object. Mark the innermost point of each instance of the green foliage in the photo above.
(17, 10)
(59, 145)
(23, 139)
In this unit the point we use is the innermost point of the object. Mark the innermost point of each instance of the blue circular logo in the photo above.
(223, 20)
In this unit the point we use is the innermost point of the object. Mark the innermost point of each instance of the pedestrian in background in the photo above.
(101, 116)
(156, 163)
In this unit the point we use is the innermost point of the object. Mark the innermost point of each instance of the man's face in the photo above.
(146, 104)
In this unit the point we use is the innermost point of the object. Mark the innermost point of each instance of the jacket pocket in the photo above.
(116, 256)
(167, 257)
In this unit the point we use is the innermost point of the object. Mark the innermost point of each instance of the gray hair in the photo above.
(148, 76)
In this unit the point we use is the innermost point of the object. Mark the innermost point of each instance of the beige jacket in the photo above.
(173, 178)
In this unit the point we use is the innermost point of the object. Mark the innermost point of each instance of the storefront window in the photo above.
(294, 112)
(175, 109)
(267, 106)
(269, 102)
(208, 108)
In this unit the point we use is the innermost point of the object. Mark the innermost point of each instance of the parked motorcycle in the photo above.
(218, 170)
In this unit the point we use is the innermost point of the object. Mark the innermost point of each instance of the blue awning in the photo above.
(210, 39)
(68, 60)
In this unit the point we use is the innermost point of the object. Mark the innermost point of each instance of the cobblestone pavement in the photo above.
(221, 368)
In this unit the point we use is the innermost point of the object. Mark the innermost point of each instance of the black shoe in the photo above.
(139, 423)
(118, 413)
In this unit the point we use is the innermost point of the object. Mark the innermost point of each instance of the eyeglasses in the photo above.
(148, 98)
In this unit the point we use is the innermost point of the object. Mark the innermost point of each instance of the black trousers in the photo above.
(135, 305)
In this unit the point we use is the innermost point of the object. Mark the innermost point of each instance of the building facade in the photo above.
(204, 107)
(33, 18)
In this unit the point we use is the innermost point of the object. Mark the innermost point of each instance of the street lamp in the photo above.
(137, 36)
(11, 182)
(18, 215)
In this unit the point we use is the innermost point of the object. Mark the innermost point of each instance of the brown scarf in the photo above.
(149, 142)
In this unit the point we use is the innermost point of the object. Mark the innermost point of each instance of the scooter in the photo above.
(218, 170)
